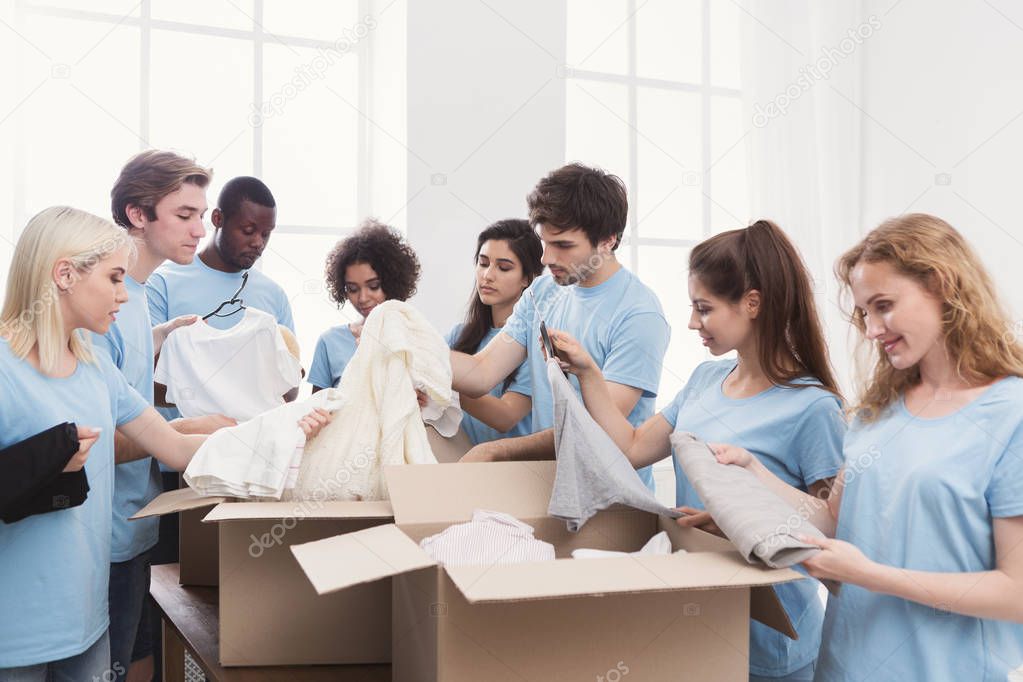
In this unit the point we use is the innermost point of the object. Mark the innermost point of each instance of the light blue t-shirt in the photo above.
(54, 567)
(797, 433)
(620, 324)
(174, 290)
(129, 343)
(921, 494)
(479, 432)
(334, 349)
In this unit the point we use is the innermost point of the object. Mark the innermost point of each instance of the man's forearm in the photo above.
(535, 446)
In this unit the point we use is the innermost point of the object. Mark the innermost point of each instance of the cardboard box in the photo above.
(198, 553)
(681, 616)
(269, 614)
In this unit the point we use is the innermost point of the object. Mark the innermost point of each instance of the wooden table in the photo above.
(191, 623)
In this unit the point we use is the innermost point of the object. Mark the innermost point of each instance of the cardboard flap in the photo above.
(617, 575)
(234, 511)
(351, 559)
(765, 606)
(176, 501)
(449, 493)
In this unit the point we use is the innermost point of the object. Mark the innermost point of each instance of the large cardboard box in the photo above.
(651, 618)
(198, 550)
(269, 613)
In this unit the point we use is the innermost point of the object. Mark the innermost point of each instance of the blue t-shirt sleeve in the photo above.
(284, 315)
(817, 439)
(156, 295)
(637, 352)
(1005, 491)
(670, 412)
(125, 402)
(519, 324)
(523, 382)
(319, 370)
(453, 335)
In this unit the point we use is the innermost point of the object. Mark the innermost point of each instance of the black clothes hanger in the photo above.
(231, 301)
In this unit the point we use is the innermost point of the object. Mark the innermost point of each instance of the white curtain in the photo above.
(802, 76)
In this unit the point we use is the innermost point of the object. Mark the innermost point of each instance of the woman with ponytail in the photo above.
(777, 398)
(507, 261)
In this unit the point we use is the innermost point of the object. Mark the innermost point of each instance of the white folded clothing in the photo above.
(489, 538)
(253, 459)
(658, 544)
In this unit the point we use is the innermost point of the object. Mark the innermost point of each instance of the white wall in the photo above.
(943, 94)
(486, 118)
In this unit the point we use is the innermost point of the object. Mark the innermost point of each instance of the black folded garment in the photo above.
(31, 475)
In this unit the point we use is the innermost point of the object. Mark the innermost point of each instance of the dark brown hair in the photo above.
(150, 176)
(579, 197)
(790, 342)
(479, 319)
(383, 248)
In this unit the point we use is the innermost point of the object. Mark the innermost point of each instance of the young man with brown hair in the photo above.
(580, 213)
(159, 198)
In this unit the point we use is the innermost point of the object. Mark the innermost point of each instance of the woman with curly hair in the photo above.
(926, 517)
(369, 267)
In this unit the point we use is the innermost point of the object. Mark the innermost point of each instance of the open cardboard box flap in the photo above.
(449, 493)
(351, 559)
(176, 501)
(236, 511)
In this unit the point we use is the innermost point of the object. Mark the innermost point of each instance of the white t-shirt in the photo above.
(238, 372)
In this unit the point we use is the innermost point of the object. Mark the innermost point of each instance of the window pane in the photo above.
(597, 132)
(121, 8)
(295, 261)
(725, 70)
(331, 21)
(200, 100)
(226, 13)
(598, 35)
(310, 135)
(82, 122)
(668, 40)
(728, 152)
(669, 199)
(664, 269)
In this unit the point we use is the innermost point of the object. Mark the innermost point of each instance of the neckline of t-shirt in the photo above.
(597, 290)
(234, 276)
(46, 377)
(248, 313)
(933, 421)
(741, 401)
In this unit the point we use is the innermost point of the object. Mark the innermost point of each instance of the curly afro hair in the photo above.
(385, 251)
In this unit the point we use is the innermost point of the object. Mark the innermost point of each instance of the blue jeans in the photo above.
(130, 629)
(804, 674)
(92, 665)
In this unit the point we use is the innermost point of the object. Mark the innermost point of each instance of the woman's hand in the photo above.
(839, 560)
(421, 398)
(313, 423)
(700, 519)
(732, 454)
(87, 437)
(572, 357)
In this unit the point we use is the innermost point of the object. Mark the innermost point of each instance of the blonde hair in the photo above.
(976, 330)
(31, 312)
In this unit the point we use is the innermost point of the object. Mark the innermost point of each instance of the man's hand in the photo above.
(162, 331)
(484, 452)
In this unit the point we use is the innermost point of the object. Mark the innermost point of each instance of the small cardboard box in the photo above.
(198, 552)
(269, 614)
(651, 618)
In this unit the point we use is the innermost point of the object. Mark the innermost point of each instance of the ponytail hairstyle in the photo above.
(479, 318)
(790, 342)
(977, 331)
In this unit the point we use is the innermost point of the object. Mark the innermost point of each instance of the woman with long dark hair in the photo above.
(778, 398)
(507, 260)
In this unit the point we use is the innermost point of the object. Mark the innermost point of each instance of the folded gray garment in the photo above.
(592, 473)
(760, 524)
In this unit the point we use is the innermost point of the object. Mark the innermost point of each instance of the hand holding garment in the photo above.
(592, 472)
(32, 477)
(760, 524)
